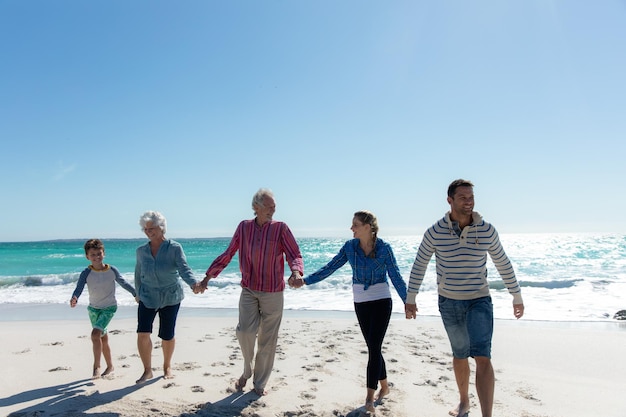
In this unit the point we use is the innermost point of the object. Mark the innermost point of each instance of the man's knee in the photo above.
(482, 362)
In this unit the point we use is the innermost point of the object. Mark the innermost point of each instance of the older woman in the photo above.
(160, 263)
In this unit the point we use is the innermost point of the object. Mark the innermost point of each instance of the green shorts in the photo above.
(101, 317)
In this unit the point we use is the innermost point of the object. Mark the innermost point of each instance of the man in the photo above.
(263, 245)
(461, 241)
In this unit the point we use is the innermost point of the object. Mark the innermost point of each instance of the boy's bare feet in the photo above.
(96, 372)
(369, 408)
(167, 373)
(260, 392)
(146, 376)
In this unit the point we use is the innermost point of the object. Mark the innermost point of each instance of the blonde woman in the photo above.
(372, 260)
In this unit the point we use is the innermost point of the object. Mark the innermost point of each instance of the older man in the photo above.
(263, 245)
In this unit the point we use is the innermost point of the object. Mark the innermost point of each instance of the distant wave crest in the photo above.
(551, 285)
(39, 280)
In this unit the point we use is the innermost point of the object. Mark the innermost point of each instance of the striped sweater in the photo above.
(461, 261)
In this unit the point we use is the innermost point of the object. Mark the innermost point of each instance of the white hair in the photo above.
(154, 217)
(257, 199)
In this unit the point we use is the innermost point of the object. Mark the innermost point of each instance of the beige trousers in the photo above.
(260, 313)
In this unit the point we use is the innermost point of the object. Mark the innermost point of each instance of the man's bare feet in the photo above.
(109, 370)
(260, 392)
(461, 410)
(240, 383)
(382, 393)
(96, 372)
(167, 373)
(146, 376)
(369, 408)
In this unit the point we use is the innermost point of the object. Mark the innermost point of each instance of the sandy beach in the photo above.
(543, 369)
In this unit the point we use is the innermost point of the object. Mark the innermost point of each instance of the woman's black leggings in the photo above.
(374, 318)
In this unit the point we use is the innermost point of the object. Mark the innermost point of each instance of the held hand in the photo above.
(73, 302)
(410, 310)
(295, 280)
(518, 310)
(201, 286)
(298, 282)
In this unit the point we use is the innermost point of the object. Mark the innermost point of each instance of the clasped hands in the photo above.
(295, 280)
(410, 311)
(201, 286)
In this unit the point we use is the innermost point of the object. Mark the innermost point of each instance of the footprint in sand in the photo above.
(60, 368)
(526, 394)
(186, 366)
(307, 396)
(197, 388)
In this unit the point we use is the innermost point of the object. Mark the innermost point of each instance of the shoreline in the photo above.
(55, 311)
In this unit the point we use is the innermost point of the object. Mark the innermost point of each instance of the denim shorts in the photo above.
(167, 320)
(469, 324)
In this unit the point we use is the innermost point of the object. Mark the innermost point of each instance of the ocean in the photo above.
(564, 277)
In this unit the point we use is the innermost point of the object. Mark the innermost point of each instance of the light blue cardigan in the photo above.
(156, 278)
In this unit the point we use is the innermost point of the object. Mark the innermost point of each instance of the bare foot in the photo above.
(240, 383)
(461, 410)
(167, 374)
(146, 376)
(260, 392)
(109, 370)
(382, 393)
(369, 408)
(96, 372)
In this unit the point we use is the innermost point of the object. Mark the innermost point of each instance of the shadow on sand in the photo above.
(230, 406)
(235, 403)
(67, 399)
(71, 399)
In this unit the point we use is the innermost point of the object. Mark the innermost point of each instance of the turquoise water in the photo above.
(563, 276)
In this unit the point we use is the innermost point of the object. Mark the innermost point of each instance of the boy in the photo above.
(100, 279)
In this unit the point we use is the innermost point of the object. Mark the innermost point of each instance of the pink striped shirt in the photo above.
(262, 253)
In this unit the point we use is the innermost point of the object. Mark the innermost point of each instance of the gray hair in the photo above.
(257, 199)
(154, 217)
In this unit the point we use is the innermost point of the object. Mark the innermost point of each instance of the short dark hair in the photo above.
(93, 244)
(456, 184)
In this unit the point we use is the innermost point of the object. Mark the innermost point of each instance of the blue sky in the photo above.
(111, 108)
